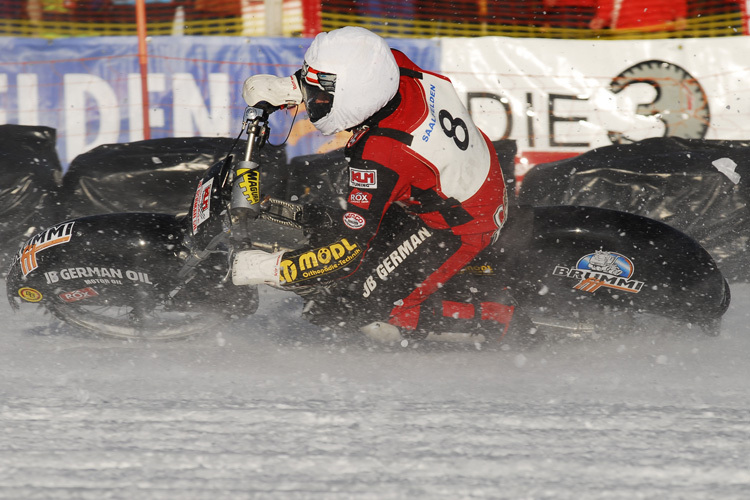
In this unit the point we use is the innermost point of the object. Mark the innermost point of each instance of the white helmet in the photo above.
(348, 75)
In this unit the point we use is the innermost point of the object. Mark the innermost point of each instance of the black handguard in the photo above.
(315, 217)
(267, 108)
(319, 223)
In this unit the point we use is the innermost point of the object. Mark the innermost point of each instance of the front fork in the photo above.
(244, 206)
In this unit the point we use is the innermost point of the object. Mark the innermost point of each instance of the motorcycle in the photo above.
(568, 270)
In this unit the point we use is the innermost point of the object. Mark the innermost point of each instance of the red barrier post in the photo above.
(311, 18)
(140, 19)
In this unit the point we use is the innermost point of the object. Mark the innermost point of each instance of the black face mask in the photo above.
(318, 101)
(317, 91)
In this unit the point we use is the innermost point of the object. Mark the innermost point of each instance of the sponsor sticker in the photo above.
(354, 221)
(97, 275)
(30, 294)
(479, 270)
(365, 179)
(202, 204)
(56, 235)
(396, 257)
(430, 124)
(602, 269)
(250, 184)
(357, 135)
(76, 295)
(319, 261)
(360, 199)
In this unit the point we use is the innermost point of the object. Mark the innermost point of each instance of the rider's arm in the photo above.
(336, 252)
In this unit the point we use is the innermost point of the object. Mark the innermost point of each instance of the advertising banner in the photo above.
(89, 89)
(555, 98)
(560, 97)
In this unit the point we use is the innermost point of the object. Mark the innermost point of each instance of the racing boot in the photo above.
(381, 331)
(386, 333)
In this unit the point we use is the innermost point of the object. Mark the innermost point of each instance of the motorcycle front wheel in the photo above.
(130, 323)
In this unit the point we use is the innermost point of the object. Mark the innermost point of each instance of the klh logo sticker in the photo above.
(365, 179)
(602, 269)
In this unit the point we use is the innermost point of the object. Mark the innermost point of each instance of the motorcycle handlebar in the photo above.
(263, 109)
(252, 113)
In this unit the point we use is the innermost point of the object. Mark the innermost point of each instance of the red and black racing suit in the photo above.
(421, 152)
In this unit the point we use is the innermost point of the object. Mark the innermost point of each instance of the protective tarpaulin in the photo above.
(30, 174)
(157, 175)
(686, 183)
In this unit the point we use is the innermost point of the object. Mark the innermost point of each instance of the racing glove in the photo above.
(255, 267)
(275, 90)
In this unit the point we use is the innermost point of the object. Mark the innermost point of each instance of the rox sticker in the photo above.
(360, 199)
(250, 184)
(202, 204)
(320, 261)
(75, 296)
(602, 269)
(56, 235)
(366, 179)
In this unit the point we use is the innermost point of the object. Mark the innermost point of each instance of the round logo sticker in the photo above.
(611, 263)
(354, 221)
(30, 295)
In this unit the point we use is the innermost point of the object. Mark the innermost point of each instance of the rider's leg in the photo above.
(412, 279)
(406, 312)
(452, 298)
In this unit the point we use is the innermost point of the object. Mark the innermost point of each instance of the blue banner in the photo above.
(89, 89)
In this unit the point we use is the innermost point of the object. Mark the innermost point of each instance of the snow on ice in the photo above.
(258, 412)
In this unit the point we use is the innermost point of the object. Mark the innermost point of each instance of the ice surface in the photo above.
(264, 413)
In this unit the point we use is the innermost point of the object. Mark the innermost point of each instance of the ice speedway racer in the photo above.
(563, 269)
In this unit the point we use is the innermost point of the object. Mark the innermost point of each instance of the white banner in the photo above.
(569, 96)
